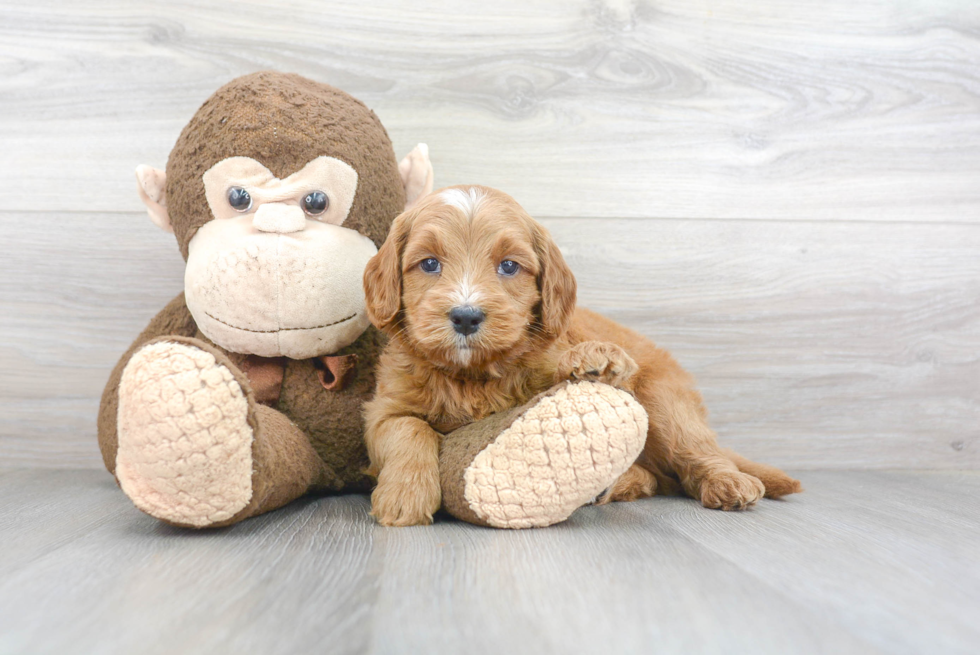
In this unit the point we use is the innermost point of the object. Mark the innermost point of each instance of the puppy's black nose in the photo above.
(466, 319)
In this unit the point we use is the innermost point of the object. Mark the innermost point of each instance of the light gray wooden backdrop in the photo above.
(785, 193)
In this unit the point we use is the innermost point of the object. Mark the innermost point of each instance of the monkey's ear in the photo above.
(417, 175)
(152, 187)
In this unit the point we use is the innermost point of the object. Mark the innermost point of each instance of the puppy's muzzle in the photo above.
(466, 319)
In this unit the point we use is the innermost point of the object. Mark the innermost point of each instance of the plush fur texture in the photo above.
(556, 456)
(331, 420)
(432, 379)
(297, 295)
(534, 465)
(201, 472)
(273, 279)
(284, 121)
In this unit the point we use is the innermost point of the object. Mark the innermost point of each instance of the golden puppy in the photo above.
(479, 306)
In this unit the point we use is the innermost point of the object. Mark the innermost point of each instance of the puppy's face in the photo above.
(468, 278)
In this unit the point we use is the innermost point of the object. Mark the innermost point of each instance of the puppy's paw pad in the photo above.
(731, 491)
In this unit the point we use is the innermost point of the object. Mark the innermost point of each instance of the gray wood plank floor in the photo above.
(861, 562)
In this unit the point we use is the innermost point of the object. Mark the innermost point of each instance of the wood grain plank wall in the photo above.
(785, 193)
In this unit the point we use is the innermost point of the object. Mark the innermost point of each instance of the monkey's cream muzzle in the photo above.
(270, 280)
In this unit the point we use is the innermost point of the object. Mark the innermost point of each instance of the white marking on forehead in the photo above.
(467, 201)
(465, 294)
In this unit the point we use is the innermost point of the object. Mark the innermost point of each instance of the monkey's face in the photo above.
(279, 190)
(276, 273)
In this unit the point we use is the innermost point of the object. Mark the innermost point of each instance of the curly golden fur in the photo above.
(492, 257)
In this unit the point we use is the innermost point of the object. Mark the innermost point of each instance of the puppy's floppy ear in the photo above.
(555, 282)
(383, 276)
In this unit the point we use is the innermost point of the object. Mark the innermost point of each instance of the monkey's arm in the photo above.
(174, 319)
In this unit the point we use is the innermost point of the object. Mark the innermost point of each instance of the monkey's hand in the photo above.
(597, 361)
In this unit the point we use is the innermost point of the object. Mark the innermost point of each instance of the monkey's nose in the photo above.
(466, 319)
(279, 217)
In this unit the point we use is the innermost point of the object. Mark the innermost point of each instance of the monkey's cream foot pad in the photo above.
(185, 444)
(557, 456)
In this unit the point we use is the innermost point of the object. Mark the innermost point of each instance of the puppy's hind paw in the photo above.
(730, 490)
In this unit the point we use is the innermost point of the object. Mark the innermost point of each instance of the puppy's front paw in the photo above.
(731, 490)
(406, 495)
(597, 361)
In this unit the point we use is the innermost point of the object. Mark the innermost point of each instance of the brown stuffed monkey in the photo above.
(245, 391)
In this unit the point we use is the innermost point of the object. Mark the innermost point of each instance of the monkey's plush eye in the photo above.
(239, 199)
(315, 203)
(508, 268)
(430, 265)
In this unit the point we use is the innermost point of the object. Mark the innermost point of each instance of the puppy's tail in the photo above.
(777, 483)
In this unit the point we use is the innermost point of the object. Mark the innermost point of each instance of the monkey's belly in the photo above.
(333, 420)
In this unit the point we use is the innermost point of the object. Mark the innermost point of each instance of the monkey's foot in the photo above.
(185, 438)
(558, 454)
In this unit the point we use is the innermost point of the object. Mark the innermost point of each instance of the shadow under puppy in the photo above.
(479, 307)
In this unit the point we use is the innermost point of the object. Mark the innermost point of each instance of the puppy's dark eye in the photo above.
(239, 199)
(430, 265)
(508, 267)
(316, 203)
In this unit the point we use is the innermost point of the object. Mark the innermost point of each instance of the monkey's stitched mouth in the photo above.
(315, 327)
